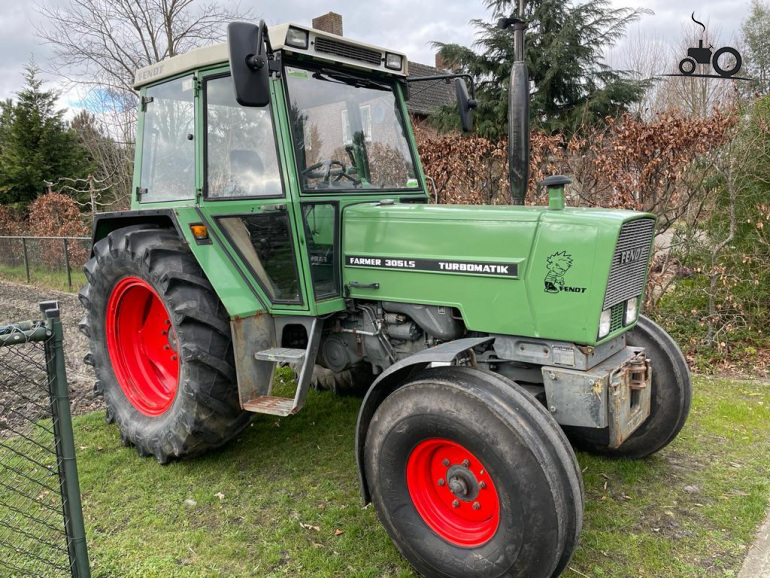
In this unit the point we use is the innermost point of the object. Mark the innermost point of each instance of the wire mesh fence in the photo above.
(56, 261)
(41, 520)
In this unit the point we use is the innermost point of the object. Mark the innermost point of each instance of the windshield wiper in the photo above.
(350, 80)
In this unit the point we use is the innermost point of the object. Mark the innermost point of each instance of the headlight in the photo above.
(604, 323)
(296, 38)
(393, 61)
(632, 311)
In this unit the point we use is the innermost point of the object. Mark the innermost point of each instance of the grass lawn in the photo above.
(282, 500)
(44, 278)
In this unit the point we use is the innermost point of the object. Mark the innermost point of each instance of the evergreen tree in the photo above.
(756, 35)
(36, 144)
(565, 46)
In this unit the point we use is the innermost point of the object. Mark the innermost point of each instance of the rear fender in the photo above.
(393, 378)
(106, 223)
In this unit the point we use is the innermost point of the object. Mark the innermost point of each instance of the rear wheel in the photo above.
(471, 477)
(669, 405)
(160, 345)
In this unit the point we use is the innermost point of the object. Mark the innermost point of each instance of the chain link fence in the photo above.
(41, 520)
(51, 260)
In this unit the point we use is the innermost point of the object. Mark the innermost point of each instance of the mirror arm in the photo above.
(447, 78)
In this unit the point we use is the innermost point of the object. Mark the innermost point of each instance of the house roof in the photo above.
(426, 97)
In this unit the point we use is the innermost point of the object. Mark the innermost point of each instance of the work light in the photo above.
(632, 310)
(393, 61)
(296, 38)
(604, 323)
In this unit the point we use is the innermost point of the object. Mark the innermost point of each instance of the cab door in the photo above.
(244, 196)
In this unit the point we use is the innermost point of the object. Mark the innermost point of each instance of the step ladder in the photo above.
(283, 406)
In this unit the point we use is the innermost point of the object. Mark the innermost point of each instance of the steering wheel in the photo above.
(327, 172)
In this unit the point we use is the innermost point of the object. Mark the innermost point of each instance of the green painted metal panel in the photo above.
(229, 283)
(450, 238)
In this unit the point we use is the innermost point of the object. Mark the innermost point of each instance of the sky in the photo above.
(405, 25)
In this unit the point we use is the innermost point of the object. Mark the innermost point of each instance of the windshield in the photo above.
(348, 132)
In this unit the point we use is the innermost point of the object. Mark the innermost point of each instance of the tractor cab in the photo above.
(269, 159)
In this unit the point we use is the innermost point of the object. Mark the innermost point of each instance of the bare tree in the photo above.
(102, 43)
(99, 45)
(645, 56)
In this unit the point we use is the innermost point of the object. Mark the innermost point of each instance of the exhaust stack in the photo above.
(518, 112)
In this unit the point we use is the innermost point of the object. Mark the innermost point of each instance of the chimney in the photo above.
(331, 22)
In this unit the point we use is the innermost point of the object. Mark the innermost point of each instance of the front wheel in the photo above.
(669, 404)
(471, 477)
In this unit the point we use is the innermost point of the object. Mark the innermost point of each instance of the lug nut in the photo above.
(166, 347)
(482, 485)
(164, 332)
(168, 321)
(476, 505)
(173, 358)
(466, 463)
(445, 462)
(441, 482)
(456, 504)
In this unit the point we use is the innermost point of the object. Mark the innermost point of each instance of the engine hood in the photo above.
(526, 271)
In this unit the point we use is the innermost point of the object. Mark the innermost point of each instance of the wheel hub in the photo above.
(453, 492)
(463, 483)
(142, 344)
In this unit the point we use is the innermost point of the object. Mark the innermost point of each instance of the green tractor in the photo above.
(281, 216)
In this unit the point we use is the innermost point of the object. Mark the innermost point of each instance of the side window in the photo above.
(264, 243)
(241, 157)
(168, 150)
(320, 222)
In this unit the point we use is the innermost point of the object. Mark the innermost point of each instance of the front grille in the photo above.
(346, 50)
(616, 317)
(629, 263)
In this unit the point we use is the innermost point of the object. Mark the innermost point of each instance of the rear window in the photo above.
(168, 148)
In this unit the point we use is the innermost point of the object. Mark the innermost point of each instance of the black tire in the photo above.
(734, 70)
(691, 66)
(527, 457)
(205, 411)
(669, 406)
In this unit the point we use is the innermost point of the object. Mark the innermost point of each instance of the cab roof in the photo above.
(322, 46)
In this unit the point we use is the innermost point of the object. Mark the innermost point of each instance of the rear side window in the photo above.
(168, 151)
(241, 158)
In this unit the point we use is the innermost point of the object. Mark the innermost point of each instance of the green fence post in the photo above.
(65, 443)
(26, 261)
(67, 265)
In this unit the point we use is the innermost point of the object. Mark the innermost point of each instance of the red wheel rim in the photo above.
(141, 342)
(453, 492)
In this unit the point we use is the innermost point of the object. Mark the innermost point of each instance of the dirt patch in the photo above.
(20, 303)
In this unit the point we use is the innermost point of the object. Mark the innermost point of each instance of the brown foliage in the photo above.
(10, 221)
(642, 166)
(628, 163)
(57, 215)
(474, 170)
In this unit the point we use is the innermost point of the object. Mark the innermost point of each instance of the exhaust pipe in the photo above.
(518, 112)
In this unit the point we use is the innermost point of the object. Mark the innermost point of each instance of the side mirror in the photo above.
(466, 105)
(248, 62)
